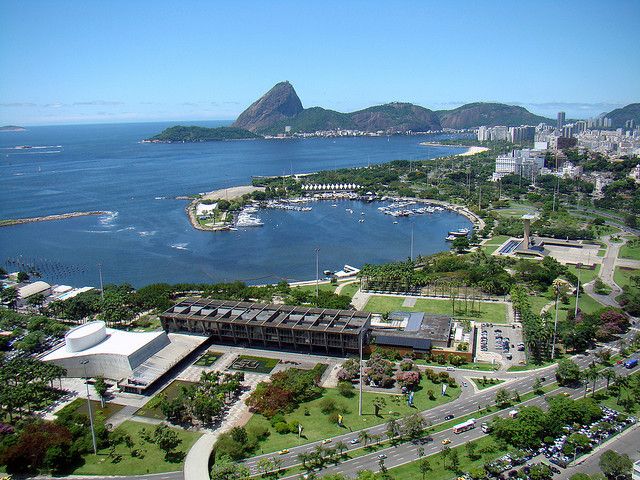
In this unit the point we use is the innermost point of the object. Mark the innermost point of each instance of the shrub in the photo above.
(346, 389)
(327, 405)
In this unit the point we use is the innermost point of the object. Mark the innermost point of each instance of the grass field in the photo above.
(152, 408)
(208, 359)
(586, 275)
(486, 447)
(350, 290)
(79, 406)
(516, 209)
(265, 364)
(122, 463)
(622, 275)
(489, 383)
(317, 425)
(612, 401)
(631, 250)
(325, 287)
(493, 243)
(488, 311)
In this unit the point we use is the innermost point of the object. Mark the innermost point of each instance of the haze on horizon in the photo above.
(94, 62)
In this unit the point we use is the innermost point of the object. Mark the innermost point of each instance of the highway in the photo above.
(408, 452)
(466, 404)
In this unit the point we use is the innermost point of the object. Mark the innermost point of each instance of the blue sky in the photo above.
(89, 61)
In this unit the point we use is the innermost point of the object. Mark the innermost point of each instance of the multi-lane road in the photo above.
(466, 404)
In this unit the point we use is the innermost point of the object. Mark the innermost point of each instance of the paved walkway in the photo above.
(607, 270)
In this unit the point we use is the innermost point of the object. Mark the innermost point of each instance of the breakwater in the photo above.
(47, 218)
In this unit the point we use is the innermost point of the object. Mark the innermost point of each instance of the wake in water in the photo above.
(108, 219)
(179, 246)
(143, 233)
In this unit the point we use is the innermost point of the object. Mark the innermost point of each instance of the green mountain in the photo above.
(477, 114)
(620, 115)
(311, 120)
(281, 107)
(191, 134)
(396, 117)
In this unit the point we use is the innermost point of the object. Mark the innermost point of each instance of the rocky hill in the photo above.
(12, 128)
(193, 134)
(474, 115)
(281, 107)
(620, 115)
(279, 103)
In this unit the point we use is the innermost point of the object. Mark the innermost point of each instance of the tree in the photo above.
(537, 386)
(414, 425)
(472, 452)
(378, 404)
(615, 465)
(226, 469)
(166, 439)
(568, 372)
(503, 398)
(425, 468)
(36, 300)
(101, 388)
(9, 296)
(455, 460)
(460, 244)
(364, 437)
(393, 429)
(22, 277)
(341, 447)
(445, 452)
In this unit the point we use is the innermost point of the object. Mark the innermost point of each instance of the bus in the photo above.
(464, 426)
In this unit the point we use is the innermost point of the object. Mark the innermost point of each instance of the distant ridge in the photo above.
(281, 107)
(620, 115)
(12, 128)
(477, 114)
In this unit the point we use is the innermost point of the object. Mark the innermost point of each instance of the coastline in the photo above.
(230, 193)
(47, 218)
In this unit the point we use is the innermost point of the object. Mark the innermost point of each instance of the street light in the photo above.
(555, 326)
(86, 382)
(317, 273)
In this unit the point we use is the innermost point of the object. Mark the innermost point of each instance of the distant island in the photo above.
(193, 134)
(12, 128)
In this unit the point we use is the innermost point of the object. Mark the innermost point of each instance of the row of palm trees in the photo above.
(322, 455)
(622, 383)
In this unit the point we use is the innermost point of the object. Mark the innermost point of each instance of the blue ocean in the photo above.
(147, 237)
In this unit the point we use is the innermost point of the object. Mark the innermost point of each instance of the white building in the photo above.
(110, 353)
(525, 162)
(34, 288)
(635, 173)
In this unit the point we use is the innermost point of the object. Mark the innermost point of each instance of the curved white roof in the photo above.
(33, 289)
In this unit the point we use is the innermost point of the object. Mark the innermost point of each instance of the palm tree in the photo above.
(341, 447)
(608, 374)
(364, 437)
(592, 374)
(425, 467)
(304, 457)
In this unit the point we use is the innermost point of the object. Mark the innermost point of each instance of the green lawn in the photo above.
(516, 209)
(325, 287)
(350, 290)
(586, 275)
(612, 401)
(152, 408)
(208, 359)
(631, 250)
(529, 366)
(493, 243)
(79, 406)
(488, 311)
(317, 425)
(489, 383)
(586, 303)
(622, 275)
(123, 463)
(487, 448)
(265, 364)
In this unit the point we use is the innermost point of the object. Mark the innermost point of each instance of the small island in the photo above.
(12, 128)
(194, 134)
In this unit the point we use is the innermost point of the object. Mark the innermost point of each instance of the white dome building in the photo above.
(110, 353)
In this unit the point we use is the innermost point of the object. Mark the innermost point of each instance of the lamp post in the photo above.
(361, 376)
(101, 286)
(317, 273)
(555, 327)
(86, 382)
(412, 241)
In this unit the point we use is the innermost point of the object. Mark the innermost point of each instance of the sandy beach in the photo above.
(472, 151)
(230, 193)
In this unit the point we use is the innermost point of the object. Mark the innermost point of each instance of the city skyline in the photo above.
(99, 63)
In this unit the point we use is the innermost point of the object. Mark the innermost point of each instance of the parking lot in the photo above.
(504, 340)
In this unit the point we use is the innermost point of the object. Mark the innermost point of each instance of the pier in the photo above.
(47, 218)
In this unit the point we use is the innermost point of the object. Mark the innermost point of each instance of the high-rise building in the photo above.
(561, 116)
